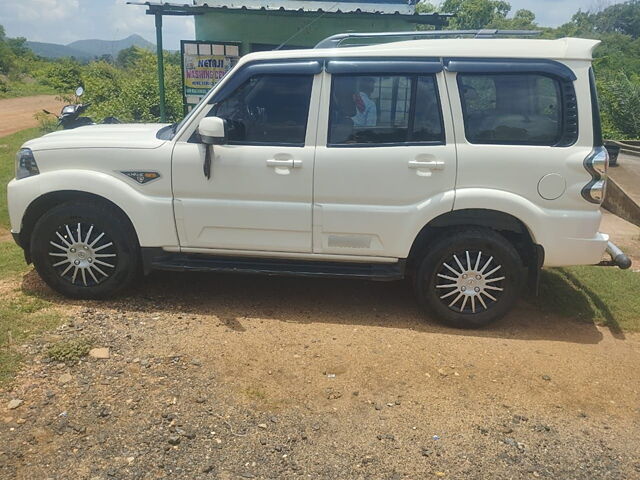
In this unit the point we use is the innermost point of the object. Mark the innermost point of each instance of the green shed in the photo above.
(257, 25)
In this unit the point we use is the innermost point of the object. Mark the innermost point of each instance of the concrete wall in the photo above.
(263, 27)
(620, 203)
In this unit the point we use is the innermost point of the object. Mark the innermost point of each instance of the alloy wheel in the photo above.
(470, 282)
(82, 254)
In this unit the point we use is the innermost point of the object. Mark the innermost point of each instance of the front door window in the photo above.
(267, 110)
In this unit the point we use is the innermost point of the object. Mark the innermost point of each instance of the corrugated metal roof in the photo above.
(383, 7)
(402, 8)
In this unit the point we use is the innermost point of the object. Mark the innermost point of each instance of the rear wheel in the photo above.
(85, 251)
(470, 278)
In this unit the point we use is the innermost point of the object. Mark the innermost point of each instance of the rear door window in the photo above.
(370, 110)
(512, 109)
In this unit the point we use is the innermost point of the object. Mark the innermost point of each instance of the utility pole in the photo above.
(158, 15)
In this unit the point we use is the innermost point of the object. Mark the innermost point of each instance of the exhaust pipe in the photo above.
(618, 257)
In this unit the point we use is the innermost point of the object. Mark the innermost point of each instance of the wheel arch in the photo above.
(512, 228)
(49, 200)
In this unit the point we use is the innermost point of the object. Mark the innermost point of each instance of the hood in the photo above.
(121, 135)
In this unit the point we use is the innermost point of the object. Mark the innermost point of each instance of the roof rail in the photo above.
(334, 41)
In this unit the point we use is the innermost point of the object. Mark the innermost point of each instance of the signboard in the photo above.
(203, 65)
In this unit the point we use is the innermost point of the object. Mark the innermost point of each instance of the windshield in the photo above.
(178, 126)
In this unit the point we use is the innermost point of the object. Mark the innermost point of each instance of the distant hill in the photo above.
(53, 50)
(104, 47)
(88, 49)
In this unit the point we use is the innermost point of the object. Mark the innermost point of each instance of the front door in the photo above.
(258, 196)
(386, 157)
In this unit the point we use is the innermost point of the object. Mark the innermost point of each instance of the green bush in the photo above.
(63, 75)
(620, 104)
(131, 93)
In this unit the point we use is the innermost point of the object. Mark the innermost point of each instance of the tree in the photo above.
(107, 57)
(522, 20)
(622, 18)
(620, 102)
(475, 14)
(127, 57)
(479, 14)
(62, 75)
(131, 93)
(426, 7)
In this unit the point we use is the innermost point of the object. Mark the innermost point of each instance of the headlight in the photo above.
(69, 109)
(26, 165)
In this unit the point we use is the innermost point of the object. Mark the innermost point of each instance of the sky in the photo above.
(63, 21)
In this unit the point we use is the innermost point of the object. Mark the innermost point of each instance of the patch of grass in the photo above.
(21, 316)
(604, 295)
(70, 351)
(12, 89)
(255, 394)
(9, 145)
(11, 260)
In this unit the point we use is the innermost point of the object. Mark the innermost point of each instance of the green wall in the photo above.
(248, 27)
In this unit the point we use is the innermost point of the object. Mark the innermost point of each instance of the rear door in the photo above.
(520, 140)
(386, 159)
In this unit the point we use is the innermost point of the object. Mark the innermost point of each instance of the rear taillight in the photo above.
(597, 164)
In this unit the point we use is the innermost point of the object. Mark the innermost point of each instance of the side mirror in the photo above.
(212, 131)
(79, 91)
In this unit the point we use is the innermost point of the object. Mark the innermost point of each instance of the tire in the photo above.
(469, 278)
(85, 251)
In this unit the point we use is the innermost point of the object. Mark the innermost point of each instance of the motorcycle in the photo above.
(70, 116)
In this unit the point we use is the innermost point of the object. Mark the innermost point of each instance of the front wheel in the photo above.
(470, 278)
(85, 251)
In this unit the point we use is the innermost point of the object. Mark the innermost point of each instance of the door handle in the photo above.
(431, 165)
(290, 163)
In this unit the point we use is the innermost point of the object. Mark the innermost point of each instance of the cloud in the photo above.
(47, 11)
(127, 19)
(64, 21)
(552, 13)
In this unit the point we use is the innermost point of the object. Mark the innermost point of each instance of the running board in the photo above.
(158, 259)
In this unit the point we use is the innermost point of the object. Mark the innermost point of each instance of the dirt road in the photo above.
(17, 113)
(232, 377)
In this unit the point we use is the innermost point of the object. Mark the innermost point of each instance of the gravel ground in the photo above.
(232, 377)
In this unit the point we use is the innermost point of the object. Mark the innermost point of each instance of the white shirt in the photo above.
(368, 117)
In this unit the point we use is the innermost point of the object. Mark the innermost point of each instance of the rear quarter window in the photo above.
(514, 109)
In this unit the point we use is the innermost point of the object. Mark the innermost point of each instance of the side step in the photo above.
(158, 259)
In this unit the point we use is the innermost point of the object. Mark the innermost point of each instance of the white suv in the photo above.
(463, 164)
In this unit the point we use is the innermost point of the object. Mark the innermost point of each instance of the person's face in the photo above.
(343, 97)
(367, 86)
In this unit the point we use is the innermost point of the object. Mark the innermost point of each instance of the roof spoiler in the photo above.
(334, 41)
(580, 48)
